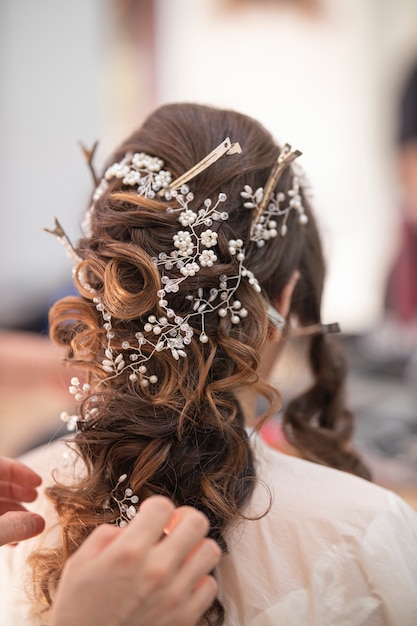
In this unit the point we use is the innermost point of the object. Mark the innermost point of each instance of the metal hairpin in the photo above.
(62, 236)
(276, 318)
(285, 157)
(317, 329)
(226, 147)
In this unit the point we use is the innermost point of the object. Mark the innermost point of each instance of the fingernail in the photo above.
(38, 524)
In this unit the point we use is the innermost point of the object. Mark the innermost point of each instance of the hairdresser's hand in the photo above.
(17, 484)
(136, 576)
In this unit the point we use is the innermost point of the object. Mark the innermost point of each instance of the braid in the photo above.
(317, 422)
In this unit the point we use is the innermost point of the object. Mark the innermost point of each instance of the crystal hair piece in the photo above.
(126, 505)
(138, 170)
(191, 252)
(193, 248)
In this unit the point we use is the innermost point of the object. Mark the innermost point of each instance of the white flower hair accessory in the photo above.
(137, 170)
(170, 331)
(194, 246)
(267, 226)
(127, 505)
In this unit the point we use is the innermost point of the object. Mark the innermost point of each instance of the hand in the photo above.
(137, 576)
(17, 484)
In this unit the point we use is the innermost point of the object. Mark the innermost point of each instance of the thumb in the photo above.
(19, 525)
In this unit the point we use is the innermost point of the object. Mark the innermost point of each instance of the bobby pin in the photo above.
(225, 148)
(283, 160)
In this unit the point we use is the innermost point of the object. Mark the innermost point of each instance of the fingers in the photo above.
(19, 525)
(200, 600)
(192, 584)
(17, 484)
(184, 532)
(16, 472)
(201, 561)
(148, 526)
(17, 481)
(10, 505)
(140, 575)
(20, 493)
(183, 512)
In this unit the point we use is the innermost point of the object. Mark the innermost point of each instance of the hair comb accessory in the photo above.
(194, 247)
(192, 250)
(139, 170)
(126, 504)
(269, 206)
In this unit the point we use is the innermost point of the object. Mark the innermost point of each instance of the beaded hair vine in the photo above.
(193, 247)
(127, 504)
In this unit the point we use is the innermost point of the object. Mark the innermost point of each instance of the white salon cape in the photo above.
(332, 550)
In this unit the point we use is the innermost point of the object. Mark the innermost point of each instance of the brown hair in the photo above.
(186, 438)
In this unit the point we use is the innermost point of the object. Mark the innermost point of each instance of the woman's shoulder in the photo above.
(321, 546)
(314, 489)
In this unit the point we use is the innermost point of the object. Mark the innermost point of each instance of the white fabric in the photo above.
(16, 608)
(333, 550)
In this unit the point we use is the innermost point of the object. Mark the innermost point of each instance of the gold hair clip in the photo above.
(62, 236)
(89, 156)
(284, 159)
(225, 148)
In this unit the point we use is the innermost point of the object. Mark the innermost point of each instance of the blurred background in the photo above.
(328, 76)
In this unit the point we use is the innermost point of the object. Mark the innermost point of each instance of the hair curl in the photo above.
(186, 438)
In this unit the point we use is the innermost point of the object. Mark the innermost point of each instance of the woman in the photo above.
(199, 250)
